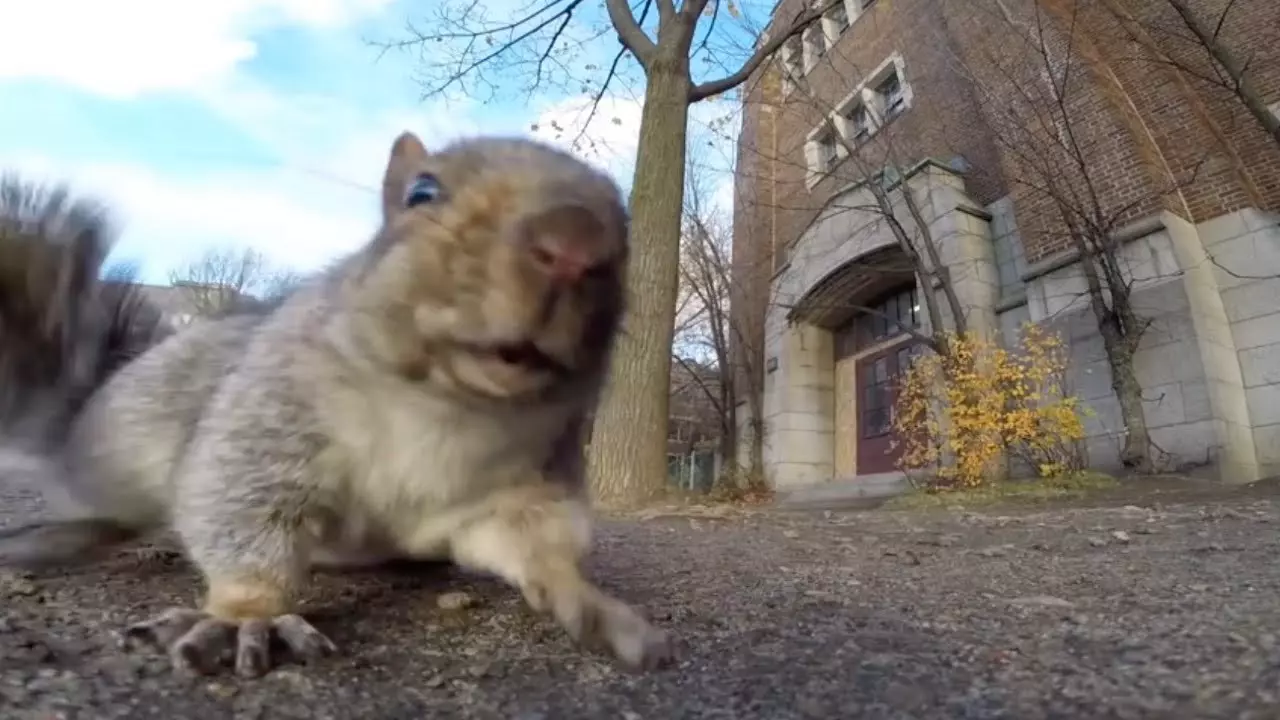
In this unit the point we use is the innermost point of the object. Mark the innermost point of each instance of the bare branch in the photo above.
(762, 53)
(598, 96)
(630, 34)
(1238, 72)
(224, 280)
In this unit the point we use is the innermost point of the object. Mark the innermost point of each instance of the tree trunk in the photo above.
(1136, 453)
(1120, 334)
(729, 424)
(627, 462)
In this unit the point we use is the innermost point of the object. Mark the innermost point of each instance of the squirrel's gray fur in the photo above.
(423, 398)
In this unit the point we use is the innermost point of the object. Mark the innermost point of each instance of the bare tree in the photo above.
(1038, 87)
(223, 280)
(703, 341)
(1191, 39)
(466, 49)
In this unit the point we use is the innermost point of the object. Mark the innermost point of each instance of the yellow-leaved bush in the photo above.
(960, 413)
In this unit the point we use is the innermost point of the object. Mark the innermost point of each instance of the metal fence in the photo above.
(695, 471)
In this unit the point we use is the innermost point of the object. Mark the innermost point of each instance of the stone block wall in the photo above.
(1193, 397)
(1245, 252)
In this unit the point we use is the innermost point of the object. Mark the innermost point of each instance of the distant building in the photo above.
(181, 304)
(693, 427)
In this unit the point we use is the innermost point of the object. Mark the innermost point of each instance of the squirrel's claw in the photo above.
(596, 620)
(606, 622)
(199, 643)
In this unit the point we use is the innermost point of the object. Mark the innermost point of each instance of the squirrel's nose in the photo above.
(565, 242)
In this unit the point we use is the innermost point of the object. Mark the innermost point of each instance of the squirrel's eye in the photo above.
(424, 189)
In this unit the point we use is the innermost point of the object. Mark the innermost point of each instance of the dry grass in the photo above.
(729, 496)
(1063, 487)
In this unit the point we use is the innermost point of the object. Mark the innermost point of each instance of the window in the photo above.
(882, 96)
(890, 92)
(857, 123)
(877, 400)
(792, 57)
(815, 46)
(890, 316)
(824, 152)
(836, 21)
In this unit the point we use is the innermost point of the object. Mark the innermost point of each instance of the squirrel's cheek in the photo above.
(434, 321)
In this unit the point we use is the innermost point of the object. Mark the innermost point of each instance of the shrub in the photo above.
(962, 412)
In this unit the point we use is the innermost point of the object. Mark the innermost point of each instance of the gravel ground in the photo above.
(1152, 610)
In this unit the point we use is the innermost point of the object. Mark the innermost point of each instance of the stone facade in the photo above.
(1188, 179)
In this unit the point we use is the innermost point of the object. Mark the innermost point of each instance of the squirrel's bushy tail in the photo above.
(65, 325)
(65, 328)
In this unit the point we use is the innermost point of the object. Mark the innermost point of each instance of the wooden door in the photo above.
(878, 375)
(846, 417)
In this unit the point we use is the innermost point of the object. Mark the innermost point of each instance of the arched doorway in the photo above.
(873, 349)
(871, 305)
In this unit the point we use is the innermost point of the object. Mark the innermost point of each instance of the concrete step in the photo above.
(858, 491)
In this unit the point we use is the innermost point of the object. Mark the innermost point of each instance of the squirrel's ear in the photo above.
(407, 154)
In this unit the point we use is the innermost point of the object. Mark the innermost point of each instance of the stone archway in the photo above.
(846, 258)
(864, 360)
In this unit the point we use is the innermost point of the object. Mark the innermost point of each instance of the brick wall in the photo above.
(944, 120)
(1153, 137)
(753, 225)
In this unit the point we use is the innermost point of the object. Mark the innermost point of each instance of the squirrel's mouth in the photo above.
(527, 355)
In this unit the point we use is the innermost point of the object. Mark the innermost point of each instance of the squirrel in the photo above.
(422, 398)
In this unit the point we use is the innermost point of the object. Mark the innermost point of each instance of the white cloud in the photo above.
(125, 48)
(308, 194)
(312, 198)
(297, 220)
(612, 136)
(330, 136)
(313, 193)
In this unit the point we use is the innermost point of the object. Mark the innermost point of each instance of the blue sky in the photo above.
(260, 123)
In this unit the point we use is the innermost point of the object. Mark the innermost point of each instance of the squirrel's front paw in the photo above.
(595, 619)
(200, 643)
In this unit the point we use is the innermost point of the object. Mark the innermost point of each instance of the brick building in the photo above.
(987, 110)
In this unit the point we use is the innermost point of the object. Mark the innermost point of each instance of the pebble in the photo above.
(941, 541)
(221, 690)
(455, 600)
